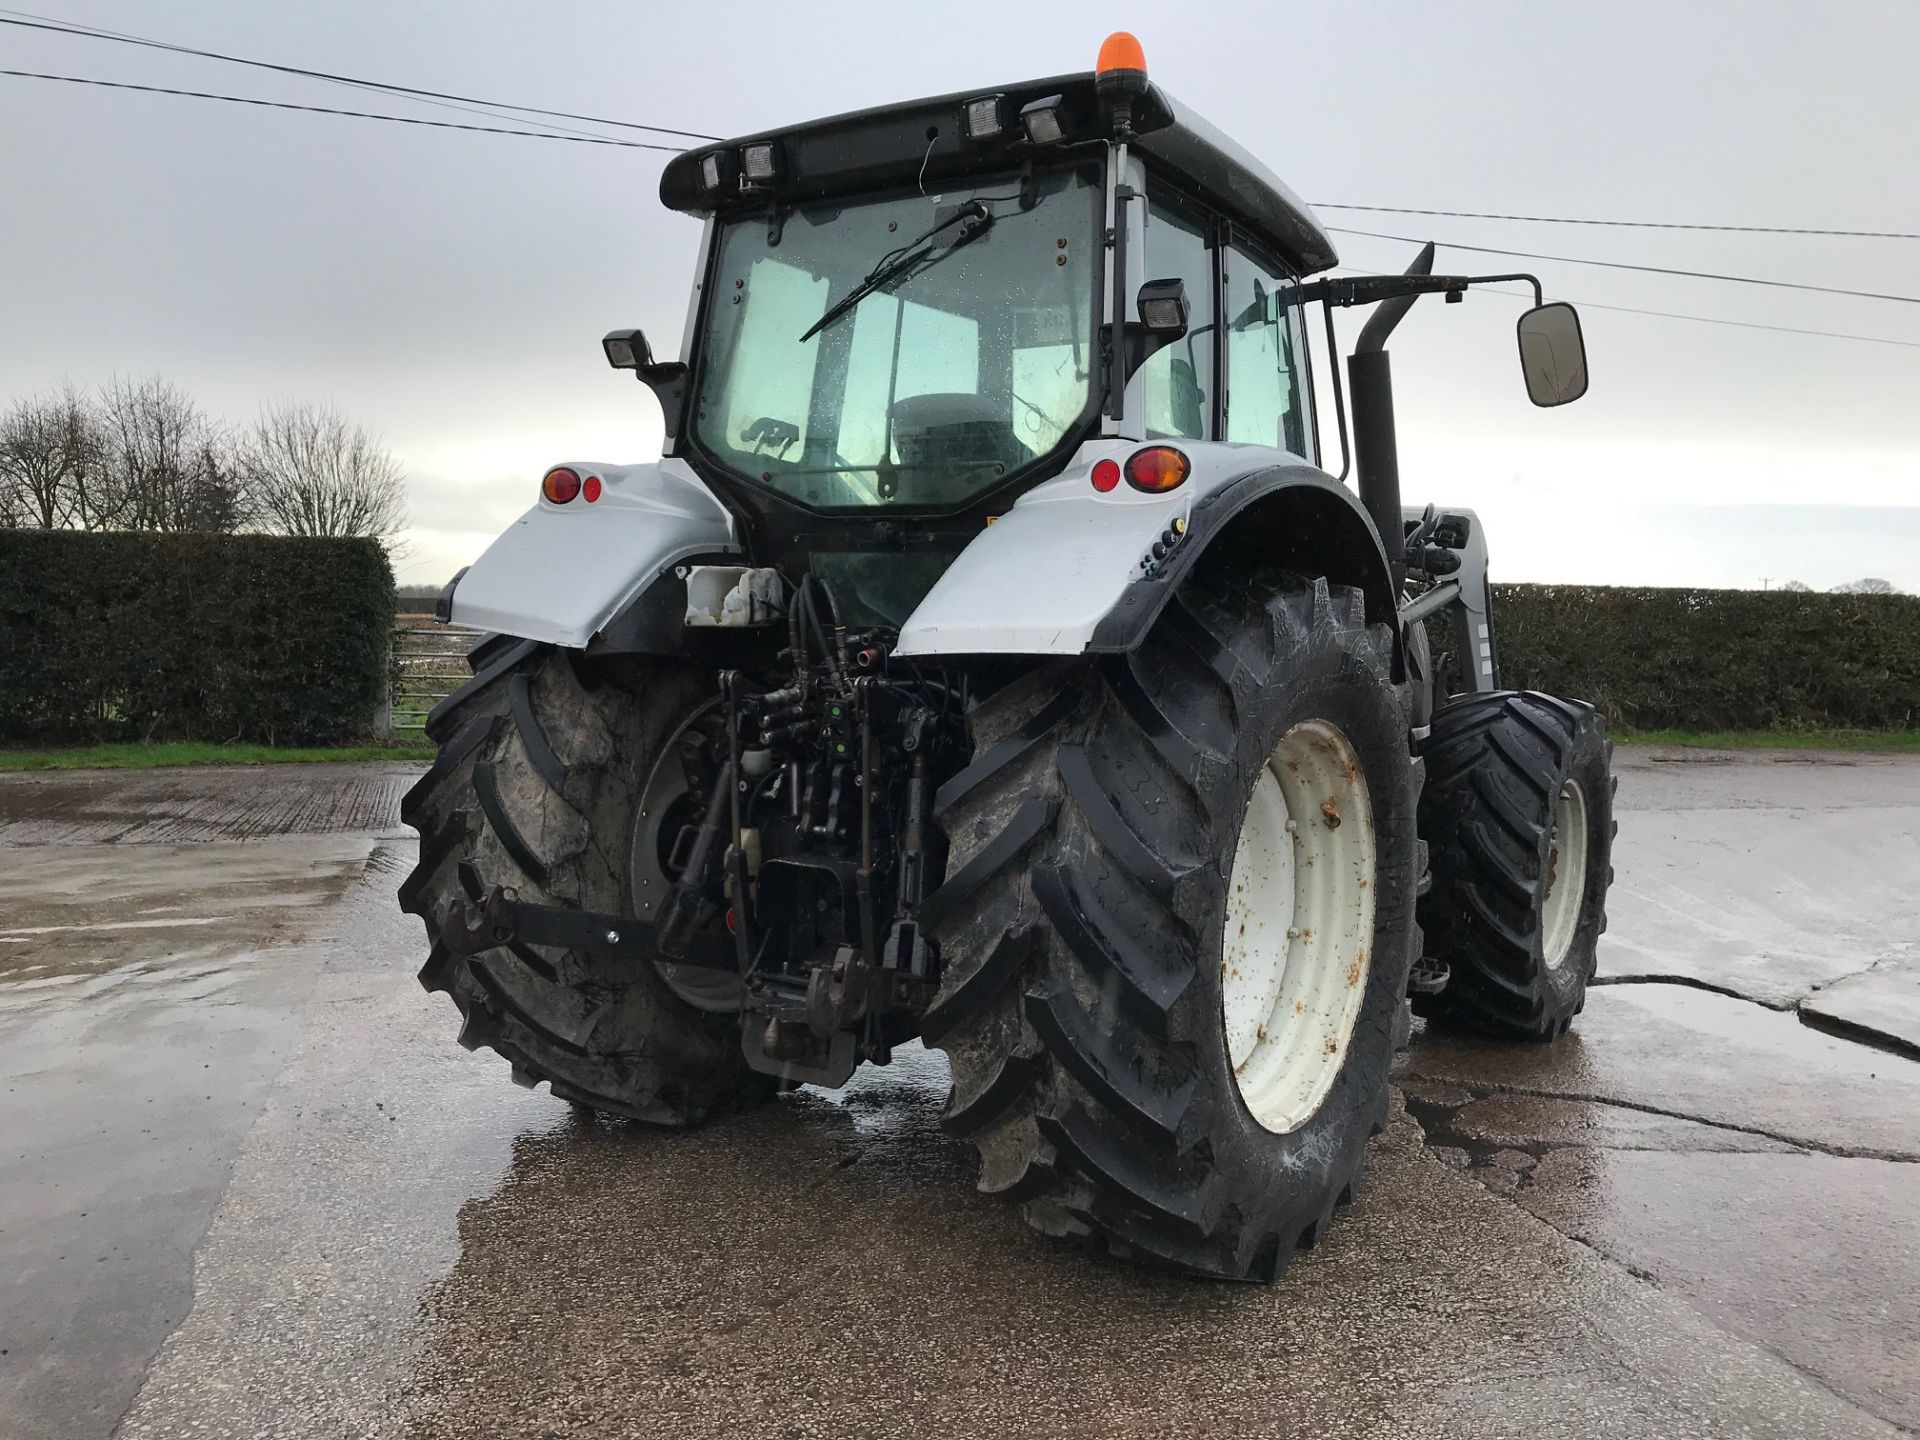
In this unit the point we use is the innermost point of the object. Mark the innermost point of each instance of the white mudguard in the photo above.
(1040, 579)
(562, 571)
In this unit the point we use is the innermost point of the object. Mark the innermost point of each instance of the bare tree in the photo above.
(167, 465)
(51, 448)
(1869, 586)
(311, 471)
(1797, 586)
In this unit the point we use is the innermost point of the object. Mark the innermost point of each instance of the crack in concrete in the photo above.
(1692, 982)
(1858, 1034)
(1648, 1277)
(1852, 1031)
(1481, 1089)
(1433, 1119)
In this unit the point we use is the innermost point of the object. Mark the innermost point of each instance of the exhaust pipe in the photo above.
(1376, 452)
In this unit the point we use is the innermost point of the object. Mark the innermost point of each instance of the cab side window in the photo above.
(1266, 377)
(1178, 380)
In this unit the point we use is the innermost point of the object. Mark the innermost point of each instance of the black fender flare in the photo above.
(1294, 515)
(653, 622)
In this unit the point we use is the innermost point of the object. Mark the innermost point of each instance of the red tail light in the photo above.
(560, 486)
(591, 488)
(1106, 475)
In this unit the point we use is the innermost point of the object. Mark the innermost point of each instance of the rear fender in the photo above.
(561, 572)
(1069, 570)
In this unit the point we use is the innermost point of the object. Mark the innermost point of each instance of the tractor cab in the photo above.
(923, 310)
(909, 317)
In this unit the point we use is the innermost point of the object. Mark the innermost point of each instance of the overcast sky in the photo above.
(450, 289)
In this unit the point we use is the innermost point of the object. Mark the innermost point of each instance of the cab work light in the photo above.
(983, 118)
(717, 169)
(1041, 120)
(760, 163)
(560, 485)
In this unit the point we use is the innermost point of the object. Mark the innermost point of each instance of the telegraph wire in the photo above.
(1627, 224)
(1676, 315)
(356, 114)
(28, 21)
(1645, 269)
(94, 32)
(577, 137)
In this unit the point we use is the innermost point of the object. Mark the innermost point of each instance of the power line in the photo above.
(356, 114)
(1646, 269)
(1675, 315)
(28, 21)
(1627, 224)
(97, 33)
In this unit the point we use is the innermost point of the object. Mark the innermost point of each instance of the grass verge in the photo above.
(1908, 740)
(194, 752)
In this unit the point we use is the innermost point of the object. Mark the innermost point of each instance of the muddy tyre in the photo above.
(1093, 1005)
(1518, 817)
(543, 768)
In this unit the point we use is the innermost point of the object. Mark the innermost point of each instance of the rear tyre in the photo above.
(1518, 819)
(544, 766)
(1148, 1049)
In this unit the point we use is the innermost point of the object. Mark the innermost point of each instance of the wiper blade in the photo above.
(916, 254)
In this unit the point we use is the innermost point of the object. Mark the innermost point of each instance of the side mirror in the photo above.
(627, 350)
(1164, 311)
(1553, 356)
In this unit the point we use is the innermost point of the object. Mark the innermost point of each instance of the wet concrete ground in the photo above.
(250, 1186)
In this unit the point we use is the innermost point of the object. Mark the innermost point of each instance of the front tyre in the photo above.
(1518, 818)
(1177, 926)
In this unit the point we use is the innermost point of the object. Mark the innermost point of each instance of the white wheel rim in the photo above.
(1566, 875)
(1295, 955)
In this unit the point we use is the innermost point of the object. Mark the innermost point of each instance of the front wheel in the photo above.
(1518, 818)
(1177, 926)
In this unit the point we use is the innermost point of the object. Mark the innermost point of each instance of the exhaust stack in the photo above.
(1376, 452)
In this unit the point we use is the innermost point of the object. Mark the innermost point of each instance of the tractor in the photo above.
(992, 660)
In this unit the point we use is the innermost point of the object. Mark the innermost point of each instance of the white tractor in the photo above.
(991, 660)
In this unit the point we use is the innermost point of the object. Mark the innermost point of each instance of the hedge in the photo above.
(287, 641)
(1656, 659)
(253, 638)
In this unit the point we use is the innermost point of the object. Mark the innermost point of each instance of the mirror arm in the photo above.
(1373, 289)
(1539, 296)
(1138, 344)
(667, 380)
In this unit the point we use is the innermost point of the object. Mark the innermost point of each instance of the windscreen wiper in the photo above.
(917, 254)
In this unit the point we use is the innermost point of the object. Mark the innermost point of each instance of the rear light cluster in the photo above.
(562, 486)
(1154, 470)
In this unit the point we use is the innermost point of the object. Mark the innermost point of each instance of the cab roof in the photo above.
(927, 140)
